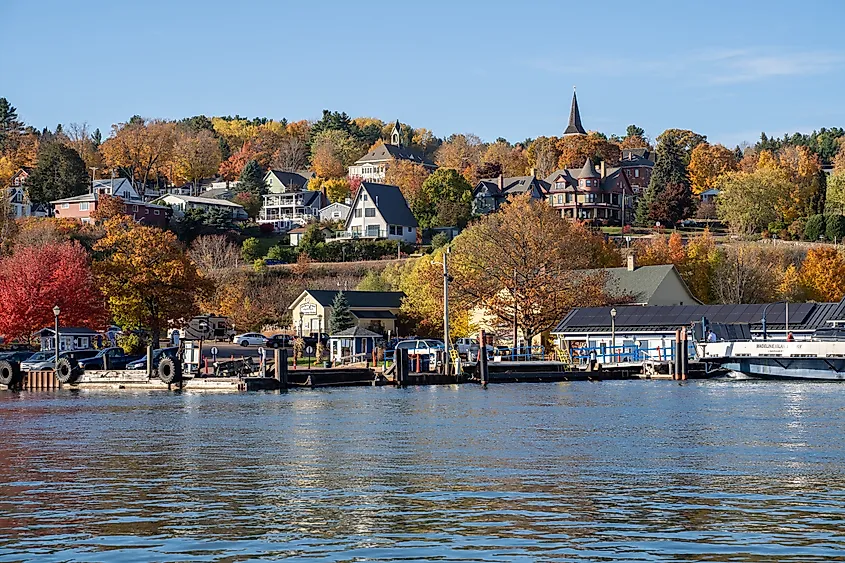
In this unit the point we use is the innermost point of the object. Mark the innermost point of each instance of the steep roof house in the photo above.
(280, 181)
(380, 211)
(490, 193)
(374, 310)
(372, 166)
(287, 210)
(117, 187)
(591, 194)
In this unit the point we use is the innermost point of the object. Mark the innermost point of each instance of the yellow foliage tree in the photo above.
(139, 148)
(195, 156)
(337, 189)
(823, 274)
(513, 160)
(707, 163)
(575, 149)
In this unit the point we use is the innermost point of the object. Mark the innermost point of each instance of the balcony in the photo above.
(370, 234)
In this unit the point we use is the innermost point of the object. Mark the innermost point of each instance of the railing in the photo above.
(347, 235)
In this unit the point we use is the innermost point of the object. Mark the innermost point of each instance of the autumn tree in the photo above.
(543, 155)
(148, 279)
(36, 278)
(575, 149)
(251, 203)
(446, 200)
(59, 173)
(292, 153)
(337, 189)
(409, 177)
(519, 264)
(512, 160)
(707, 163)
(634, 138)
(138, 148)
(214, 255)
(332, 151)
(835, 200)
(195, 156)
(108, 207)
(232, 167)
(460, 152)
(749, 202)
(683, 140)
(823, 274)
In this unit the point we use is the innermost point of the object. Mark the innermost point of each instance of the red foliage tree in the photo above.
(36, 278)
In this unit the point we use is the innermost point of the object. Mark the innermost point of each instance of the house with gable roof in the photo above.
(372, 167)
(380, 211)
(490, 193)
(591, 194)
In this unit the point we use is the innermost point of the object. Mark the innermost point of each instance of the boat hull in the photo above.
(816, 369)
(820, 361)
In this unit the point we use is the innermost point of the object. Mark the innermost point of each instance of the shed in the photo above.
(352, 342)
(70, 338)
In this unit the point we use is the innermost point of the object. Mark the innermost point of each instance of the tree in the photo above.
(835, 200)
(707, 163)
(332, 151)
(745, 275)
(669, 170)
(251, 250)
(36, 278)
(823, 274)
(674, 204)
(634, 131)
(543, 155)
(251, 179)
(108, 207)
(341, 316)
(372, 281)
(512, 160)
(195, 156)
(519, 264)
(682, 139)
(292, 153)
(814, 228)
(10, 126)
(460, 152)
(337, 189)
(148, 279)
(749, 201)
(835, 228)
(446, 197)
(232, 167)
(410, 178)
(575, 149)
(250, 202)
(78, 138)
(59, 173)
(139, 148)
(215, 256)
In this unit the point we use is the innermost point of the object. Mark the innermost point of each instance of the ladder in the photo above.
(564, 357)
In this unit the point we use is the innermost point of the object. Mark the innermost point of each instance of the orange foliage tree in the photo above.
(575, 149)
(823, 274)
(707, 163)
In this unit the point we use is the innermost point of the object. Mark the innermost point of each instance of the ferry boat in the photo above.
(821, 358)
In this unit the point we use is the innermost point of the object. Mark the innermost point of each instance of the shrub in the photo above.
(259, 266)
(440, 239)
(281, 253)
(814, 229)
(796, 229)
(835, 227)
(265, 228)
(251, 250)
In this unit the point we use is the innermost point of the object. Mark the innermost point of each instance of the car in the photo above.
(250, 339)
(111, 358)
(280, 341)
(42, 361)
(16, 356)
(469, 347)
(141, 363)
(422, 347)
(311, 339)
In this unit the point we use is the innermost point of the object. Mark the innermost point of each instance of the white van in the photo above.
(419, 347)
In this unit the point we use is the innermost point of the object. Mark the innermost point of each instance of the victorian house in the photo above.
(603, 195)
(490, 193)
(637, 165)
(372, 166)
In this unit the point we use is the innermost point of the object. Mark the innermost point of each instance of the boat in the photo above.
(817, 359)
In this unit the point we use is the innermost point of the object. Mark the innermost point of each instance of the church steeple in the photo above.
(396, 135)
(574, 127)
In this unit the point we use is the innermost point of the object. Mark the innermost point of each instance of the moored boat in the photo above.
(810, 360)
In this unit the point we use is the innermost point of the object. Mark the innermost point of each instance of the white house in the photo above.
(118, 187)
(380, 211)
(19, 202)
(182, 203)
(335, 212)
(372, 167)
(291, 209)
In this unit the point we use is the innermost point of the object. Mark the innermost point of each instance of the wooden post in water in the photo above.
(676, 357)
(280, 366)
(684, 354)
(483, 372)
(150, 361)
(401, 359)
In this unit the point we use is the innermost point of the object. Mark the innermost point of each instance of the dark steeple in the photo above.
(574, 127)
(589, 171)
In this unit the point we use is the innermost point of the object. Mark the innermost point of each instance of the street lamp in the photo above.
(301, 314)
(56, 313)
(613, 332)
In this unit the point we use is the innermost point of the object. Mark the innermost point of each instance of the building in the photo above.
(652, 328)
(82, 207)
(287, 210)
(709, 196)
(280, 182)
(353, 344)
(181, 203)
(574, 127)
(490, 193)
(380, 211)
(648, 285)
(116, 187)
(592, 194)
(335, 212)
(637, 165)
(373, 310)
(70, 338)
(16, 192)
(372, 166)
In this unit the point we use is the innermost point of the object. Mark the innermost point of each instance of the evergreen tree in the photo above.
(97, 137)
(10, 126)
(59, 173)
(251, 179)
(669, 170)
(341, 317)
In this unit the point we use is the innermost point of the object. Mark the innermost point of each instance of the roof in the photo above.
(298, 230)
(359, 299)
(570, 175)
(588, 171)
(77, 199)
(511, 186)
(290, 179)
(107, 183)
(68, 330)
(387, 151)
(802, 317)
(574, 127)
(373, 314)
(336, 204)
(641, 283)
(312, 198)
(217, 193)
(710, 192)
(203, 200)
(390, 203)
(356, 332)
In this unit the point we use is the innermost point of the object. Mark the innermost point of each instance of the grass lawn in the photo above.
(268, 241)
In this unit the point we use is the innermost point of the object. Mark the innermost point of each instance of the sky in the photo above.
(726, 69)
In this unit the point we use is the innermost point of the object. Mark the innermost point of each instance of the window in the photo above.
(569, 198)
(65, 206)
(358, 213)
(591, 198)
(147, 210)
(409, 229)
(335, 214)
(370, 212)
(560, 185)
(364, 197)
(156, 212)
(134, 208)
(559, 199)
(372, 231)
(636, 172)
(84, 206)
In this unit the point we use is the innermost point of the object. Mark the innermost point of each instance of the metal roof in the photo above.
(359, 299)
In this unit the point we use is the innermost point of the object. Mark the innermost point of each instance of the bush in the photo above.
(796, 229)
(814, 229)
(259, 266)
(835, 227)
(356, 250)
(285, 254)
(251, 250)
(131, 343)
(440, 239)
(265, 228)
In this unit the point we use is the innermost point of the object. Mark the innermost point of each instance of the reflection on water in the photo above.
(622, 471)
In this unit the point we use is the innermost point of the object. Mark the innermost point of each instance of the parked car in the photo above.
(280, 341)
(311, 339)
(250, 339)
(16, 356)
(469, 347)
(421, 347)
(141, 363)
(41, 361)
(116, 359)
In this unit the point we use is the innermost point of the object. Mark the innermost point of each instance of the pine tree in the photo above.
(59, 173)
(10, 126)
(669, 170)
(252, 179)
(341, 317)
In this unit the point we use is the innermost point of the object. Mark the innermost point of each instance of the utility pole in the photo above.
(446, 357)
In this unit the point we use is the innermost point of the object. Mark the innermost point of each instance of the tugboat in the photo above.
(822, 358)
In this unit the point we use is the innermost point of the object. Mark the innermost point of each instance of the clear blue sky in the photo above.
(727, 69)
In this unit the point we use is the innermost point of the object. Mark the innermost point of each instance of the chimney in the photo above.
(631, 264)
(501, 182)
(603, 170)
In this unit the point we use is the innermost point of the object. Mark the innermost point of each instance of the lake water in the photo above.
(613, 471)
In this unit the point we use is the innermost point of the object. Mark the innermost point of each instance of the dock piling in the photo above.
(483, 372)
(401, 359)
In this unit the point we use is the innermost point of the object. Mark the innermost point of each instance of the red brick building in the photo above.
(83, 206)
(592, 194)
